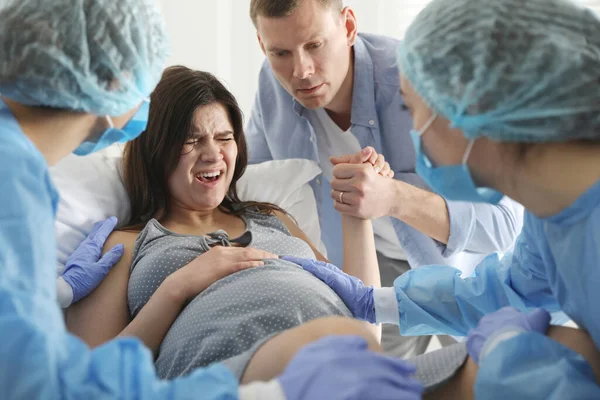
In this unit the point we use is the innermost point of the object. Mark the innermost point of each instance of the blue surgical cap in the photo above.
(510, 70)
(99, 56)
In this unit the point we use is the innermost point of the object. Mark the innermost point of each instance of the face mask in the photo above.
(453, 182)
(136, 125)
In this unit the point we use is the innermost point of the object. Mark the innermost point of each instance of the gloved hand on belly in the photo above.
(357, 297)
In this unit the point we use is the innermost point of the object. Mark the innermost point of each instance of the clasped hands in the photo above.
(361, 185)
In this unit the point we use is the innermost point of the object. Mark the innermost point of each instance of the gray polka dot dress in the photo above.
(234, 316)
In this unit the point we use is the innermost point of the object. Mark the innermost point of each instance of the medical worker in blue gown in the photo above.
(505, 96)
(73, 77)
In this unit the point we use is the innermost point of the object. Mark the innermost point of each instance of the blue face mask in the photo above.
(136, 125)
(453, 182)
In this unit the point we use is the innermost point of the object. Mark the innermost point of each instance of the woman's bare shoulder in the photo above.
(126, 238)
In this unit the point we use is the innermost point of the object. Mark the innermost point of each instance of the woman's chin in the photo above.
(208, 203)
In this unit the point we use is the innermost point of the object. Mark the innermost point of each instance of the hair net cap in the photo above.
(99, 56)
(511, 70)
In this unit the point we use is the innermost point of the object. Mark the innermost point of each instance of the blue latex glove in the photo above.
(85, 269)
(342, 368)
(357, 297)
(502, 325)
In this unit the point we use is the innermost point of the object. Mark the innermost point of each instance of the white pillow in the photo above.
(91, 190)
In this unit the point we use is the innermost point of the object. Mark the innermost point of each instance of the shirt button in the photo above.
(371, 122)
(318, 181)
(312, 139)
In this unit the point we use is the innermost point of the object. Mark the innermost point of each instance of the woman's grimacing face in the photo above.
(205, 170)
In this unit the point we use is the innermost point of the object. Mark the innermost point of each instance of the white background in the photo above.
(218, 35)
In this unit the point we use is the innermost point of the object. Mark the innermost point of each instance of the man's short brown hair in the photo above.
(283, 8)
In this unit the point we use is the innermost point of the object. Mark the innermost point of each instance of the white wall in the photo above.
(218, 35)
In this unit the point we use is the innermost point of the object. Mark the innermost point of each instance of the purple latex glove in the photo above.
(85, 269)
(501, 325)
(342, 368)
(357, 297)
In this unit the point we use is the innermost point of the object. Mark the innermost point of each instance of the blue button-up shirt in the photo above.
(281, 128)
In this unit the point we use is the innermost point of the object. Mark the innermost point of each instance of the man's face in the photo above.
(309, 51)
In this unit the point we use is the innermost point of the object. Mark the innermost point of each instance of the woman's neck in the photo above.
(198, 222)
(551, 177)
(55, 133)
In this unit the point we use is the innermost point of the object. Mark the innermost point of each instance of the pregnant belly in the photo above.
(241, 309)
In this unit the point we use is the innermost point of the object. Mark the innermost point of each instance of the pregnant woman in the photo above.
(201, 280)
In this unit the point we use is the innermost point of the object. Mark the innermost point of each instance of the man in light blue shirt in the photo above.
(327, 91)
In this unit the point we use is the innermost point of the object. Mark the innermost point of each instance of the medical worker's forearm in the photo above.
(535, 366)
(360, 255)
(436, 300)
(155, 319)
(425, 211)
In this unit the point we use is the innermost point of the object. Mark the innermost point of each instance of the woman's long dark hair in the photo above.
(150, 159)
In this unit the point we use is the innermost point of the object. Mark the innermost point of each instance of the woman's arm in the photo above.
(104, 314)
(296, 232)
(360, 257)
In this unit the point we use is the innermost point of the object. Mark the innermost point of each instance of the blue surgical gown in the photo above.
(39, 359)
(555, 265)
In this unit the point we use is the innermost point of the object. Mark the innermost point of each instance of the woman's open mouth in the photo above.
(208, 178)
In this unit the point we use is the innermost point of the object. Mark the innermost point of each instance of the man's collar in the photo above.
(363, 92)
